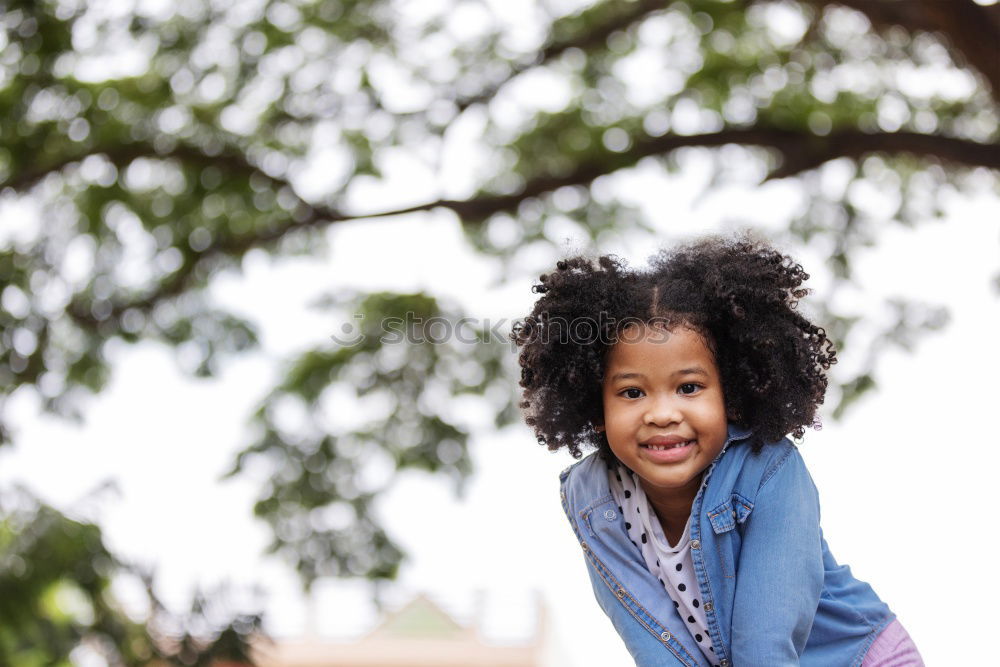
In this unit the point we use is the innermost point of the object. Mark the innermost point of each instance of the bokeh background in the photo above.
(209, 208)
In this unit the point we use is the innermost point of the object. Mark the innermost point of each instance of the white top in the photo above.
(670, 564)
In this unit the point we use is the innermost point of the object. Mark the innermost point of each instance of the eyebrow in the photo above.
(694, 370)
(626, 376)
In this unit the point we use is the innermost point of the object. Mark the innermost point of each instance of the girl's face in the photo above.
(664, 413)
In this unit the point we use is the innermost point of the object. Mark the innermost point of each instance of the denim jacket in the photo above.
(772, 592)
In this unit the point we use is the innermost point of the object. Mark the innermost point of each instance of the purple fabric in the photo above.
(893, 648)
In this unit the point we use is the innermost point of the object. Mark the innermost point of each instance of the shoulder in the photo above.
(585, 480)
(775, 463)
(773, 482)
(582, 468)
(783, 456)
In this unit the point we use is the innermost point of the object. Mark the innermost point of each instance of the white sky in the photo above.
(904, 480)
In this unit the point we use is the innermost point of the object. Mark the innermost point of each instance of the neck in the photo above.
(673, 507)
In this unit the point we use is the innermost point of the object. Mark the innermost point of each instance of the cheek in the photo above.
(717, 417)
(619, 424)
(618, 442)
(604, 414)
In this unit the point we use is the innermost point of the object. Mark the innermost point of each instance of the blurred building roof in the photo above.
(420, 634)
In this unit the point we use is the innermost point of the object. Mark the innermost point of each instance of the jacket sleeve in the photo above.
(780, 573)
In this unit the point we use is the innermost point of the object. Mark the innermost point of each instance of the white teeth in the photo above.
(658, 448)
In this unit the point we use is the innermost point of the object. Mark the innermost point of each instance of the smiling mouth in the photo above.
(660, 448)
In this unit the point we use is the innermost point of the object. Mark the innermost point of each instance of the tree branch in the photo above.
(26, 179)
(625, 15)
(122, 155)
(798, 153)
(972, 30)
(803, 154)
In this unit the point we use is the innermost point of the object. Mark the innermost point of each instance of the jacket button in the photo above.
(610, 515)
(665, 636)
(724, 663)
(620, 593)
(708, 606)
(584, 545)
(695, 544)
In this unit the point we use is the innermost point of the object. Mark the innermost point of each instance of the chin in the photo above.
(672, 484)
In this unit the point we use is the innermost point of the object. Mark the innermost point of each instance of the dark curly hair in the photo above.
(740, 294)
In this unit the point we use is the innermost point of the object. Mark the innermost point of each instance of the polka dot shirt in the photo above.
(670, 564)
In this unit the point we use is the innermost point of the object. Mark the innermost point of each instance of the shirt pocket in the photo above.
(724, 517)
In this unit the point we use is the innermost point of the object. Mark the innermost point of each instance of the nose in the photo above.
(661, 410)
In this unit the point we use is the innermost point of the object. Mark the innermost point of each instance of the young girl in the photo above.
(696, 516)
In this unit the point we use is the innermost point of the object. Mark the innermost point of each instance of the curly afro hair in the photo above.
(740, 294)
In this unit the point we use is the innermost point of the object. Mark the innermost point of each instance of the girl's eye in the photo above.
(688, 388)
(632, 392)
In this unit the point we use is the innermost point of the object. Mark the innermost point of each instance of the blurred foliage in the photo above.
(327, 461)
(57, 606)
(147, 147)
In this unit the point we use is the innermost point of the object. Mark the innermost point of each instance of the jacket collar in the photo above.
(586, 482)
